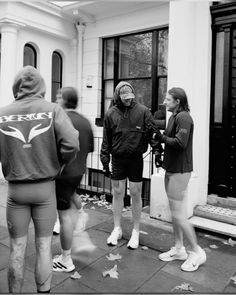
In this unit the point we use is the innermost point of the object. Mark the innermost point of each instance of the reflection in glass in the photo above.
(108, 59)
(143, 91)
(135, 56)
(56, 74)
(29, 56)
(162, 88)
(162, 52)
(219, 71)
(108, 94)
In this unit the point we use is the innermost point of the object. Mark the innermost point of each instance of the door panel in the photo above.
(222, 168)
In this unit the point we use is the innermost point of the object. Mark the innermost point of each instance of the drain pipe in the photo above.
(80, 40)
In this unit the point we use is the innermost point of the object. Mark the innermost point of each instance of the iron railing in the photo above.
(95, 182)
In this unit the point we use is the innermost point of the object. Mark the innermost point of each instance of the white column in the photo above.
(189, 66)
(80, 40)
(8, 61)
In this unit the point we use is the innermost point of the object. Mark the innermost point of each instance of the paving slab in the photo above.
(163, 282)
(214, 274)
(134, 268)
(4, 256)
(96, 217)
(150, 236)
(72, 286)
(29, 285)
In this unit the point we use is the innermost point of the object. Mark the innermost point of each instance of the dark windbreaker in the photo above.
(36, 136)
(127, 130)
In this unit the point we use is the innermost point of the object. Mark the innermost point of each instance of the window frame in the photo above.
(60, 74)
(28, 45)
(154, 71)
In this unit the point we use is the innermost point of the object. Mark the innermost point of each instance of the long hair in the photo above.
(179, 93)
(70, 97)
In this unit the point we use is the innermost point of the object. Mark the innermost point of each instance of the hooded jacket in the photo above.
(126, 130)
(36, 136)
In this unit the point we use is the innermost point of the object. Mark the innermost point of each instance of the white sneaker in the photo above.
(81, 221)
(194, 260)
(56, 229)
(114, 236)
(134, 240)
(59, 265)
(174, 254)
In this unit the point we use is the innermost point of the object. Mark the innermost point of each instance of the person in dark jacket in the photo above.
(36, 139)
(178, 163)
(69, 179)
(128, 129)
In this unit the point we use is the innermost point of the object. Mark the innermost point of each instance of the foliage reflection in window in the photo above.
(140, 59)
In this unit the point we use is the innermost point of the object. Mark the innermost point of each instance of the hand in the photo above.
(158, 160)
(158, 135)
(106, 171)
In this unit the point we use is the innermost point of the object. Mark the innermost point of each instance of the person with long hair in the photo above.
(178, 164)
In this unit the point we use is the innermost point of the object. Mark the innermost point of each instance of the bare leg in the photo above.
(117, 202)
(76, 200)
(66, 231)
(135, 192)
(43, 266)
(16, 264)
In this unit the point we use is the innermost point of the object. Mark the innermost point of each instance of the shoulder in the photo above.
(184, 116)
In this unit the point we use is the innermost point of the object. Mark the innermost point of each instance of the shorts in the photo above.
(65, 189)
(35, 200)
(176, 185)
(131, 168)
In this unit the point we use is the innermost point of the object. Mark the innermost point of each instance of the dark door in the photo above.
(222, 165)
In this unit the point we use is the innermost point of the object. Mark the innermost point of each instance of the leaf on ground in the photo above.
(93, 208)
(183, 287)
(230, 242)
(113, 257)
(213, 247)
(207, 250)
(76, 276)
(143, 232)
(112, 273)
(233, 279)
(144, 248)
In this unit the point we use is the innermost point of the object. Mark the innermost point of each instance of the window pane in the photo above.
(135, 57)
(56, 67)
(108, 94)
(162, 52)
(219, 71)
(143, 91)
(109, 59)
(162, 88)
(29, 56)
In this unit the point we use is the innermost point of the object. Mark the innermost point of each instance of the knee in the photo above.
(64, 216)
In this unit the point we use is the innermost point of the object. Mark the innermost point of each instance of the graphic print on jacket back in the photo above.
(28, 126)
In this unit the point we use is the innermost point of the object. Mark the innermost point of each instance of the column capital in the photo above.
(80, 28)
(10, 26)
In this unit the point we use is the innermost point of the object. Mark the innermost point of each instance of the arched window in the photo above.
(30, 56)
(56, 74)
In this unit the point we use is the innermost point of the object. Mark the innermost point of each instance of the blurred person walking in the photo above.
(36, 139)
(178, 163)
(69, 179)
(128, 129)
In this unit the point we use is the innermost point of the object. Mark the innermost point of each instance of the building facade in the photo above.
(155, 45)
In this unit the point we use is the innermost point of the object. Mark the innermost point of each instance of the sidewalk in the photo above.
(140, 271)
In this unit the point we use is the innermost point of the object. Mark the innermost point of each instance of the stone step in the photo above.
(217, 213)
(214, 226)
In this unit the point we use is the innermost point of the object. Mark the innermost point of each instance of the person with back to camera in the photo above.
(36, 139)
(69, 180)
(128, 128)
(178, 163)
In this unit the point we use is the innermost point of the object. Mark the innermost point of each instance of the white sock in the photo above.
(66, 254)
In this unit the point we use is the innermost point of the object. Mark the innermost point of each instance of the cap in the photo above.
(126, 92)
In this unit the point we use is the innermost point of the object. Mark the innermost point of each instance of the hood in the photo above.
(116, 99)
(28, 83)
